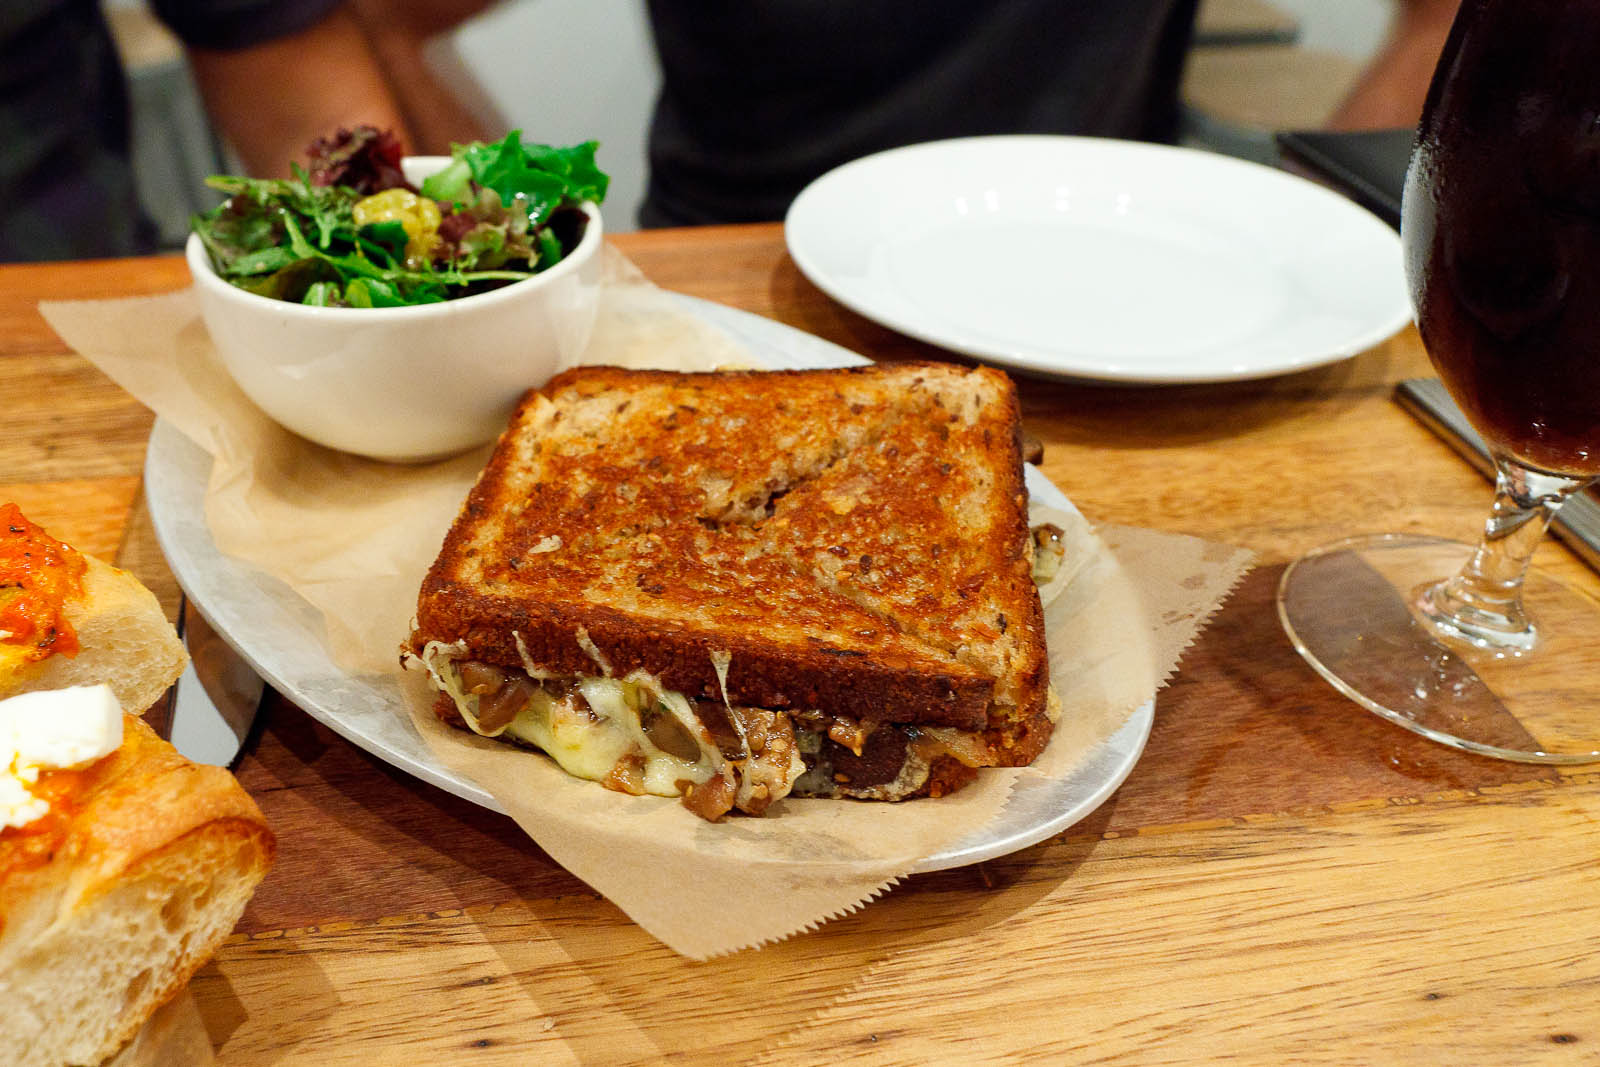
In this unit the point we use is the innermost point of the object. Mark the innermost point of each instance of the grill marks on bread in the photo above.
(868, 523)
(967, 589)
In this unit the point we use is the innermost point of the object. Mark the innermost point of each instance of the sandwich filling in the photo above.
(634, 735)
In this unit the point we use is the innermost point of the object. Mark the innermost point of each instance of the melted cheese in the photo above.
(592, 650)
(591, 737)
(57, 729)
(596, 729)
(720, 661)
(618, 708)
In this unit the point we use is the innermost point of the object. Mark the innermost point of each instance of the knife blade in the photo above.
(208, 712)
(1578, 521)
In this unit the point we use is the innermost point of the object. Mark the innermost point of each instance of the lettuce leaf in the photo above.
(546, 177)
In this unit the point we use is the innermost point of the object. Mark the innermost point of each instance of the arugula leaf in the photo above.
(373, 293)
(291, 282)
(263, 262)
(237, 229)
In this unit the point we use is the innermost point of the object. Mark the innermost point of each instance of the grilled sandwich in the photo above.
(738, 586)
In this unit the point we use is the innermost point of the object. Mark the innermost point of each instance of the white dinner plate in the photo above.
(1098, 259)
(280, 635)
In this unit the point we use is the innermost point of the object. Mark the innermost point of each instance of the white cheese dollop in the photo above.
(53, 729)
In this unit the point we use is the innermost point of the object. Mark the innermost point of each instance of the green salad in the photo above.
(350, 231)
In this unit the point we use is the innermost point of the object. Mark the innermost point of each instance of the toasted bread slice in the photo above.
(948, 476)
(851, 543)
(67, 618)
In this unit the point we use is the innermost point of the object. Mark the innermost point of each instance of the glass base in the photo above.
(1356, 611)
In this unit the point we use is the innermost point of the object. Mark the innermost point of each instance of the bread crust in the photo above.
(184, 843)
(126, 643)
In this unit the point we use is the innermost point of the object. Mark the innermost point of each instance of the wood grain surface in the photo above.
(1283, 879)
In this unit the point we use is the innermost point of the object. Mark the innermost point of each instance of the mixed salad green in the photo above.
(352, 232)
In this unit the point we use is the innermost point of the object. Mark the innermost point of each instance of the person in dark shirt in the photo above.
(275, 74)
(759, 97)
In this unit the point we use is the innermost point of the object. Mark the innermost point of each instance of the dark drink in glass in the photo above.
(1501, 232)
(1502, 227)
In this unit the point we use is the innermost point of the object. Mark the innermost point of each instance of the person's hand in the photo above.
(1391, 90)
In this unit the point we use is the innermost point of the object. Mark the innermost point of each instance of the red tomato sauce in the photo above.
(38, 574)
(24, 848)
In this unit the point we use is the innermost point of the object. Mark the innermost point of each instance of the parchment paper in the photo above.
(173, 1036)
(354, 538)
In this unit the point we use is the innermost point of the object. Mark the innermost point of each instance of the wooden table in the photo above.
(1284, 878)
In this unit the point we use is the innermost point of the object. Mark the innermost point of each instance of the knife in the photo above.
(208, 712)
(1578, 521)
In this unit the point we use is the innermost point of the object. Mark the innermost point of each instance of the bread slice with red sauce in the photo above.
(115, 897)
(68, 618)
(143, 861)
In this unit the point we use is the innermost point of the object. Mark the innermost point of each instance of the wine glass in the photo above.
(1501, 232)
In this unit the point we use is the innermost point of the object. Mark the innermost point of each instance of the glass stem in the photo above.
(1483, 603)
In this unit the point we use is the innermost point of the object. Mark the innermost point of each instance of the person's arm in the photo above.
(1391, 89)
(398, 32)
(270, 101)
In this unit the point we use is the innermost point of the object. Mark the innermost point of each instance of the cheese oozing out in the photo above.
(601, 735)
(56, 729)
(635, 735)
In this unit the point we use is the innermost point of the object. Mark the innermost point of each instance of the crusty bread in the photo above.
(853, 541)
(125, 638)
(68, 619)
(112, 901)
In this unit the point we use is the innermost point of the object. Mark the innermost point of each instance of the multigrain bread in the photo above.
(67, 618)
(845, 550)
(109, 903)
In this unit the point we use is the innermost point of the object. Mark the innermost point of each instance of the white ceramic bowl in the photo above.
(403, 384)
